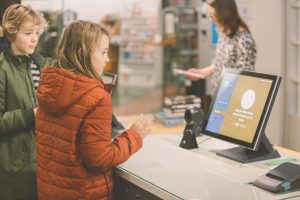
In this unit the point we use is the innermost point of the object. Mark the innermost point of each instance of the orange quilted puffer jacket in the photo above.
(75, 151)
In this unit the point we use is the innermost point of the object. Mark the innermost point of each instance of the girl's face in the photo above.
(100, 55)
(26, 40)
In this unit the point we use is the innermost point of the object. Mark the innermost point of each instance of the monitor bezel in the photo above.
(260, 130)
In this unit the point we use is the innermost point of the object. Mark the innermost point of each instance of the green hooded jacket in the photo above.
(17, 141)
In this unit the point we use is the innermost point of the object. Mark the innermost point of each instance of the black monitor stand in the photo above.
(265, 151)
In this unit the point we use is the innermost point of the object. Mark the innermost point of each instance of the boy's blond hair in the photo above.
(76, 46)
(18, 15)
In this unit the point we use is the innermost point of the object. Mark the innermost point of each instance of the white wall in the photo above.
(292, 136)
(266, 19)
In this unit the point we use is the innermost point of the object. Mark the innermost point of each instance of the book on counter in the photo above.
(178, 100)
(181, 106)
(176, 111)
(168, 119)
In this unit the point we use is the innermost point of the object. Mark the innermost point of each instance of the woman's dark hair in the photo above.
(4, 4)
(228, 15)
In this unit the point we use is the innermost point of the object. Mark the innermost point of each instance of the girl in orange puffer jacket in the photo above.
(75, 151)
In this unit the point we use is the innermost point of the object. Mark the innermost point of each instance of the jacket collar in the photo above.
(16, 60)
(37, 58)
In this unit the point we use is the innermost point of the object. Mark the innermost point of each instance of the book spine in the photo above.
(182, 106)
(182, 101)
(177, 110)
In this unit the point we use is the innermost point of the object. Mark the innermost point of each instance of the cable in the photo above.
(204, 140)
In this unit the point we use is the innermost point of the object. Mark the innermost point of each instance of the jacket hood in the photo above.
(59, 89)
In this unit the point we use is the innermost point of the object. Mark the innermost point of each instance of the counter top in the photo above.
(170, 172)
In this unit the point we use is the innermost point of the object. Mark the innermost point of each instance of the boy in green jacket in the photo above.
(20, 69)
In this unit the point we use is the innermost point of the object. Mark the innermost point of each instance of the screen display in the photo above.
(239, 107)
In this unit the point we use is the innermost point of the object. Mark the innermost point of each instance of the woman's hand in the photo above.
(203, 72)
(198, 71)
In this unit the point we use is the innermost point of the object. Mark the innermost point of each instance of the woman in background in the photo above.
(75, 150)
(236, 47)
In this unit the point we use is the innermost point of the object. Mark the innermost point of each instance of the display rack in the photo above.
(180, 46)
(138, 52)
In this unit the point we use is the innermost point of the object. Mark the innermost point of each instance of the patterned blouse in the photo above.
(238, 52)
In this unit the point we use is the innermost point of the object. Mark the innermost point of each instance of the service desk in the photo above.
(167, 171)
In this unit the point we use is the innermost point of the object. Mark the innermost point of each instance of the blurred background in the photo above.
(151, 38)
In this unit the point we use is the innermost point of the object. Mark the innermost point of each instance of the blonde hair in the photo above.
(18, 15)
(76, 46)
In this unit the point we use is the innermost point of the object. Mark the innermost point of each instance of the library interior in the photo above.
(200, 100)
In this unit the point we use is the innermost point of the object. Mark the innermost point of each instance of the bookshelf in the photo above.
(139, 55)
(180, 31)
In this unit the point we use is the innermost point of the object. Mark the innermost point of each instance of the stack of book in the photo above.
(173, 110)
(179, 104)
(168, 120)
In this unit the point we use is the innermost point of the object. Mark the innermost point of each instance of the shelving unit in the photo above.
(139, 69)
(181, 31)
(139, 55)
(137, 51)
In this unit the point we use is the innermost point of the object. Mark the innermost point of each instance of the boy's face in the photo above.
(99, 57)
(26, 40)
